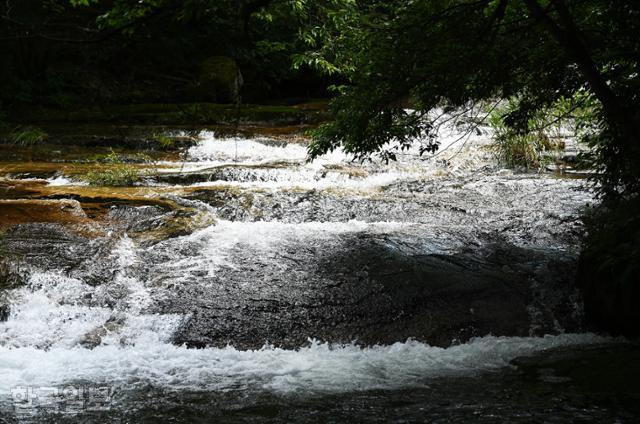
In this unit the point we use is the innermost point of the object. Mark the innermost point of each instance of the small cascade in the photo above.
(280, 277)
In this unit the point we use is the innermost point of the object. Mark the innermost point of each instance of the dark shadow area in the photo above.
(376, 290)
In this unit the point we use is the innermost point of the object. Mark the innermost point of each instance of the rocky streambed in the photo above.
(235, 274)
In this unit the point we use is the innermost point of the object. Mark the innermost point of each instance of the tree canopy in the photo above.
(447, 53)
(127, 46)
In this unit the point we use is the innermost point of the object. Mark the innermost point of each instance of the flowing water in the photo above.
(310, 292)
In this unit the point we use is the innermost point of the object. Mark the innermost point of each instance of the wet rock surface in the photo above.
(371, 289)
(76, 245)
(524, 207)
(48, 246)
(20, 211)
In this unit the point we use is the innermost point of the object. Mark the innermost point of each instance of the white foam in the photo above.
(317, 368)
(64, 181)
(54, 311)
(125, 253)
(212, 151)
(40, 322)
(289, 180)
(231, 149)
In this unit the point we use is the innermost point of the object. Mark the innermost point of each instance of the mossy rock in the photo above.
(220, 80)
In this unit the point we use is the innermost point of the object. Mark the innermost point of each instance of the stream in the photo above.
(240, 283)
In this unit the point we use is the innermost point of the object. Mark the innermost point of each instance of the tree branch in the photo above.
(569, 39)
